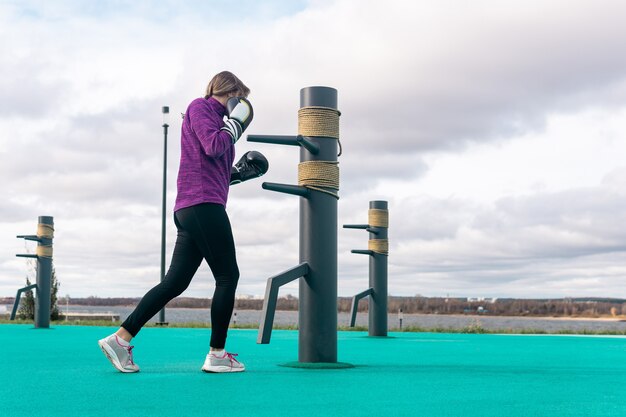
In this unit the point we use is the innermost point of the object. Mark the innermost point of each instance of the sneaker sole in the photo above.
(221, 369)
(112, 357)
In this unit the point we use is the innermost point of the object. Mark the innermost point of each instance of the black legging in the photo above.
(204, 232)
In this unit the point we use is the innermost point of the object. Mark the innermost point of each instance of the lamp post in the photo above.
(166, 116)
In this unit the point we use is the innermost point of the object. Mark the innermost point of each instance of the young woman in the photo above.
(204, 231)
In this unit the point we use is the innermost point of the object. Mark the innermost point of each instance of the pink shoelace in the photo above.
(231, 356)
(128, 348)
(130, 353)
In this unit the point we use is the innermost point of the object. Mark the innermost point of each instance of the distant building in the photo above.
(482, 300)
(249, 297)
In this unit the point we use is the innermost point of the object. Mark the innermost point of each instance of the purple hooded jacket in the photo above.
(206, 155)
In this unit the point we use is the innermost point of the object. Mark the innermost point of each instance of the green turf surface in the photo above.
(62, 372)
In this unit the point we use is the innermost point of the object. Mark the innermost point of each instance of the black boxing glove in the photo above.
(251, 165)
(240, 115)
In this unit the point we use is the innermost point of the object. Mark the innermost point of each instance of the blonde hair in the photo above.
(225, 83)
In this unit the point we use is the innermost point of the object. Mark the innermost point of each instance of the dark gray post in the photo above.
(45, 234)
(166, 111)
(44, 273)
(317, 311)
(378, 257)
(317, 315)
(378, 279)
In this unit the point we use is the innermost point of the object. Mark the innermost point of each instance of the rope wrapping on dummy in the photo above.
(44, 251)
(378, 218)
(45, 231)
(318, 121)
(380, 246)
(320, 176)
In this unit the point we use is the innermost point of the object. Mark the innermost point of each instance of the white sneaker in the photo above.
(119, 353)
(226, 363)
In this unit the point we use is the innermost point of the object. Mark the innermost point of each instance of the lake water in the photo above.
(290, 318)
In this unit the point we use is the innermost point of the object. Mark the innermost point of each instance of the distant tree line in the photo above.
(562, 307)
(567, 307)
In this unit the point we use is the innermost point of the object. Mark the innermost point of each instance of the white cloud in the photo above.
(493, 128)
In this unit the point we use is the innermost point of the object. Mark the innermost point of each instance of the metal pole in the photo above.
(317, 271)
(378, 280)
(378, 257)
(44, 277)
(165, 111)
(317, 313)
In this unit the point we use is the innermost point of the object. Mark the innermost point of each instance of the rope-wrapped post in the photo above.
(318, 186)
(45, 233)
(378, 251)
(318, 121)
(379, 245)
(43, 254)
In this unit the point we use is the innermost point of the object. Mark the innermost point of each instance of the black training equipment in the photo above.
(251, 165)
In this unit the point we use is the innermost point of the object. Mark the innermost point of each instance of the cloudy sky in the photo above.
(495, 129)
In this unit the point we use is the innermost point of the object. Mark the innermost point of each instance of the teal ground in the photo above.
(62, 372)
